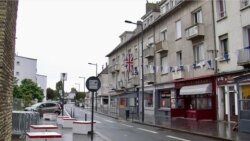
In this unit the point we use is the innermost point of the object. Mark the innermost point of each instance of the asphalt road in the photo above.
(122, 130)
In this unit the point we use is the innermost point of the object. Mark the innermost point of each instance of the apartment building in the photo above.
(26, 68)
(232, 26)
(178, 51)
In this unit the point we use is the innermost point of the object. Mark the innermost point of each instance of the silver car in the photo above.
(45, 107)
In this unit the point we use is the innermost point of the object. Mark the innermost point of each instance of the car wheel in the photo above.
(57, 112)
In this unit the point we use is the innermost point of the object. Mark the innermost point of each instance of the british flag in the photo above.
(129, 62)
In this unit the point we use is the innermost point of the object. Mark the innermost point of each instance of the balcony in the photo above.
(148, 52)
(178, 75)
(149, 78)
(195, 31)
(114, 68)
(135, 81)
(161, 47)
(121, 84)
(244, 57)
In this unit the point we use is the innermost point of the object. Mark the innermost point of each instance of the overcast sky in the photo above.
(64, 35)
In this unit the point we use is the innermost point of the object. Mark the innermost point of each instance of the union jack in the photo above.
(129, 62)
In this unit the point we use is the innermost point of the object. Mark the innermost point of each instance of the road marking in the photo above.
(109, 121)
(127, 125)
(147, 130)
(181, 139)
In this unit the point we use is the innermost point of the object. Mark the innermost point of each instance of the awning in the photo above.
(196, 89)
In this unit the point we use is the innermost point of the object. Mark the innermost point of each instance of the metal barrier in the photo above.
(21, 121)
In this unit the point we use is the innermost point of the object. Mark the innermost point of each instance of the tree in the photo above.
(28, 88)
(59, 87)
(16, 90)
(80, 96)
(51, 94)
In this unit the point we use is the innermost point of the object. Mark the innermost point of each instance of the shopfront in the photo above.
(227, 97)
(194, 98)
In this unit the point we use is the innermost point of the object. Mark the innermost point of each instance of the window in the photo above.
(135, 52)
(165, 99)
(178, 29)
(179, 58)
(150, 41)
(164, 35)
(197, 16)
(221, 9)
(246, 37)
(224, 47)
(199, 53)
(164, 63)
(245, 3)
(148, 101)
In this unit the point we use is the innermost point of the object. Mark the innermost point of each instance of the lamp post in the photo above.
(63, 78)
(95, 64)
(78, 86)
(83, 83)
(139, 23)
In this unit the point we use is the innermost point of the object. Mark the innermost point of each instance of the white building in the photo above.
(232, 29)
(42, 82)
(26, 68)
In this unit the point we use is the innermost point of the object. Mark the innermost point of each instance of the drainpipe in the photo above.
(215, 47)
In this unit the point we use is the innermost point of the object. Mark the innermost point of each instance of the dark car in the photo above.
(45, 107)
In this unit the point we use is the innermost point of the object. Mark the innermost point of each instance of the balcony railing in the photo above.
(149, 77)
(178, 75)
(195, 31)
(244, 57)
(114, 68)
(148, 52)
(161, 46)
(135, 81)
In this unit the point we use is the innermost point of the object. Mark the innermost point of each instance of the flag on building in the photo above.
(129, 62)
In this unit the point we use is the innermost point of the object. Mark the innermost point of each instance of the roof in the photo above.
(25, 57)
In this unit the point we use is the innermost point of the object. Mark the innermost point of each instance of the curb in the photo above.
(184, 131)
(107, 115)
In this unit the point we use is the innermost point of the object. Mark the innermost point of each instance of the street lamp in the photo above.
(63, 78)
(95, 64)
(83, 83)
(139, 23)
(78, 86)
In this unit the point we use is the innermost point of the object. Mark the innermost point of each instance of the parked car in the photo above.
(45, 107)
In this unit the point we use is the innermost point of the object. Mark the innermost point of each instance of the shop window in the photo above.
(201, 102)
(165, 99)
(122, 102)
(131, 101)
(105, 101)
(148, 99)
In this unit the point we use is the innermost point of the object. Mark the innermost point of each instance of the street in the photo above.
(122, 130)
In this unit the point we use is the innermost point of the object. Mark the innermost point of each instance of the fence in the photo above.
(21, 121)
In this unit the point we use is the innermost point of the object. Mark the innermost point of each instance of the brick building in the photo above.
(8, 15)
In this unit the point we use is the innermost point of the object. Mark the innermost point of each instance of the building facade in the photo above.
(26, 68)
(8, 15)
(232, 26)
(178, 51)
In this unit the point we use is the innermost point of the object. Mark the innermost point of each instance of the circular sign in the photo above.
(93, 84)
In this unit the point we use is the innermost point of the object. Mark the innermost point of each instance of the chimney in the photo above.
(151, 6)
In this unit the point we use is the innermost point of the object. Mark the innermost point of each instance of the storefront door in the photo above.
(232, 103)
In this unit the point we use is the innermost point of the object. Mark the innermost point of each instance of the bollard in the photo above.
(85, 117)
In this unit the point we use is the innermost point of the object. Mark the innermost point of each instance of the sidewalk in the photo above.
(214, 129)
(68, 135)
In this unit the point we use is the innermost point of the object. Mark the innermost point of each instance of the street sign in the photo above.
(93, 84)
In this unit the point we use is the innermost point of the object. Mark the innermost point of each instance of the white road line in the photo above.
(147, 130)
(181, 139)
(109, 121)
(97, 121)
(127, 125)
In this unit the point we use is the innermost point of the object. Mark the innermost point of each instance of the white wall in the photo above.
(25, 68)
(42, 82)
